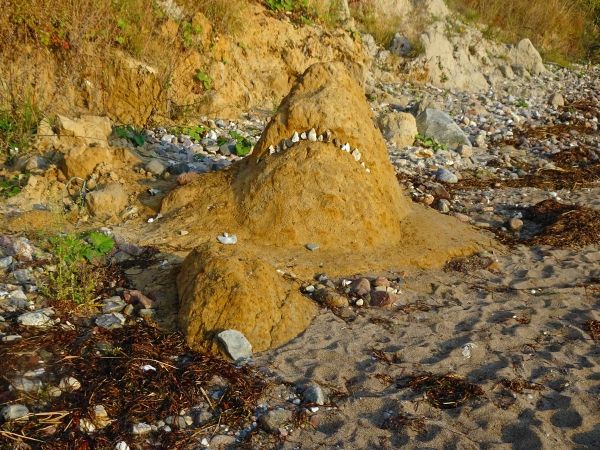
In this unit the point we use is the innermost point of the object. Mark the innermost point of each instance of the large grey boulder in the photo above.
(441, 127)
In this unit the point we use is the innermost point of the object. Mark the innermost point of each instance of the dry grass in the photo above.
(560, 30)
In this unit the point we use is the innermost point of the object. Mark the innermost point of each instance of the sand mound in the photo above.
(320, 174)
(224, 286)
(313, 191)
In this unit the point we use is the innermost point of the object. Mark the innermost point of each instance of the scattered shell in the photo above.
(356, 154)
(312, 135)
(346, 147)
(295, 137)
(226, 239)
(303, 136)
(271, 150)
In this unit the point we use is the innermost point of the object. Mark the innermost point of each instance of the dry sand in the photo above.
(524, 319)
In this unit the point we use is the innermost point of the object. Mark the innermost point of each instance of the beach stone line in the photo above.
(236, 345)
(216, 293)
(349, 207)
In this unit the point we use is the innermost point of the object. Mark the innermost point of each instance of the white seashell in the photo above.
(346, 147)
(295, 137)
(303, 135)
(271, 150)
(226, 239)
(312, 135)
(356, 154)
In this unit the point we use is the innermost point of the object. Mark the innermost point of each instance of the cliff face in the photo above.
(219, 76)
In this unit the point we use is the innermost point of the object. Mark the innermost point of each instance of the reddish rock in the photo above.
(135, 296)
(360, 286)
(381, 281)
(383, 299)
(186, 178)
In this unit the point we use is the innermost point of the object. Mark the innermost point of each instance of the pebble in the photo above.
(110, 321)
(227, 239)
(141, 428)
(14, 411)
(515, 224)
(236, 345)
(314, 394)
(312, 247)
(35, 319)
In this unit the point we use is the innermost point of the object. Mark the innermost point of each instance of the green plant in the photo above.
(205, 79)
(521, 103)
(12, 187)
(18, 125)
(430, 142)
(74, 277)
(189, 33)
(243, 145)
(128, 132)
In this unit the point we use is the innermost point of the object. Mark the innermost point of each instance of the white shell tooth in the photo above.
(303, 135)
(346, 147)
(271, 150)
(312, 135)
(356, 155)
(295, 137)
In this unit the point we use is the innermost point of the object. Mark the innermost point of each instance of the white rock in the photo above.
(346, 147)
(226, 239)
(360, 302)
(141, 428)
(466, 349)
(122, 445)
(86, 426)
(15, 411)
(303, 135)
(356, 155)
(312, 135)
(271, 150)
(35, 319)
(236, 344)
(204, 442)
(295, 137)
(69, 384)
